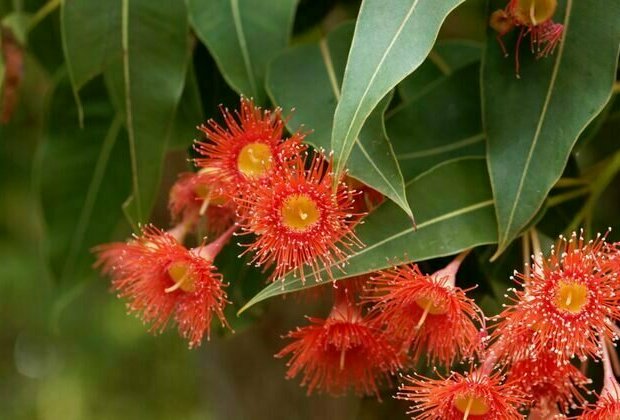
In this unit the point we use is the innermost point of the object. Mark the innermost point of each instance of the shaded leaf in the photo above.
(243, 36)
(189, 114)
(454, 208)
(372, 160)
(390, 42)
(444, 123)
(445, 58)
(83, 178)
(533, 123)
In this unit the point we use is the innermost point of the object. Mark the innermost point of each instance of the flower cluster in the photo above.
(298, 216)
(530, 17)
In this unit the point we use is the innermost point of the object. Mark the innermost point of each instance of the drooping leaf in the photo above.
(445, 58)
(88, 47)
(148, 28)
(454, 209)
(372, 160)
(442, 124)
(532, 123)
(243, 36)
(391, 40)
(83, 177)
(189, 114)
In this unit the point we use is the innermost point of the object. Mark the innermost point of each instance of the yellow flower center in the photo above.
(183, 277)
(535, 12)
(203, 192)
(430, 307)
(471, 405)
(299, 212)
(571, 296)
(254, 160)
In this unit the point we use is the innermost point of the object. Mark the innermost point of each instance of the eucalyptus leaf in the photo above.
(372, 160)
(243, 36)
(83, 176)
(391, 40)
(533, 122)
(189, 114)
(445, 58)
(454, 209)
(442, 124)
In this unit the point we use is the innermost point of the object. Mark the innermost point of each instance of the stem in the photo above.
(567, 196)
(597, 188)
(527, 252)
(179, 231)
(43, 12)
(210, 251)
(570, 182)
(610, 385)
(450, 270)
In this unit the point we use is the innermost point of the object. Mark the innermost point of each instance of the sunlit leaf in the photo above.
(389, 43)
(372, 160)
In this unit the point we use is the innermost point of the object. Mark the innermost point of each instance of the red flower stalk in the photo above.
(547, 385)
(249, 149)
(301, 219)
(161, 279)
(341, 352)
(608, 404)
(568, 304)
(427, 312)
(480, 395)
(533, 17)
(191, 198)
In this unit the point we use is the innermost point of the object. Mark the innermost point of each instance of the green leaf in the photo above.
(243, 36)
(389, 43)
(445, 58)
(189, 114)
(532, 123)
(454, 207)
(148, 28)
(372, 160)
(83, 177)
(442, 124)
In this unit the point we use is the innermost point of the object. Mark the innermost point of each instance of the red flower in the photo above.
(161, 279)
(190, 198)
(341, 352)
(547, 384)
(607, 408)
(301, 219)
(568, 304)
(533, 17)
(249, 149)
(476, 396)
(427, 312)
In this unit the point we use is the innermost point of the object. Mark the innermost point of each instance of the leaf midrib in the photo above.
(340, 163)
(540, 123)
(333, 80)
(245, 54)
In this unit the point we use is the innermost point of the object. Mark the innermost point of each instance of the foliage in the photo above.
(99, 102)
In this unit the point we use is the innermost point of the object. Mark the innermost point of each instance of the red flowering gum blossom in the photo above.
(301, 219)
(191, 198)
(569, 303)
(549, 387)
(161, 279)
(248, 150)
(427, 313)
(476, 396)
(341, 352)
